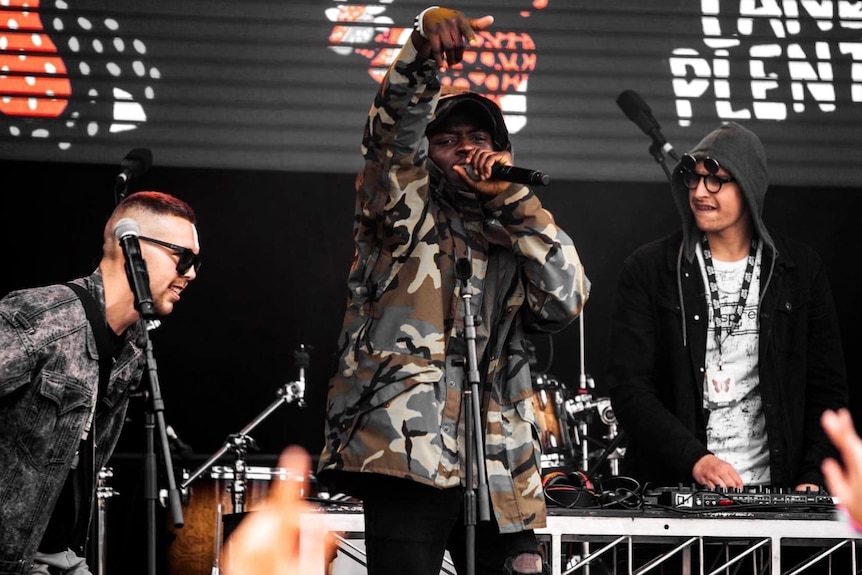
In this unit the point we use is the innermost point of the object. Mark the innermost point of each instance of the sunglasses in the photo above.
(691, 178)
(188, 258)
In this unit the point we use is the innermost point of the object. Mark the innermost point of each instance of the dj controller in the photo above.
(760, 496)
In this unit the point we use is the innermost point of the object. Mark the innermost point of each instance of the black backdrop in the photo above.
(277, 247)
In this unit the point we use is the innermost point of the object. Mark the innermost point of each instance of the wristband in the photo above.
(417, 21)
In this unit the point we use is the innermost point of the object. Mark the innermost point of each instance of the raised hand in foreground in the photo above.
(844, 481)
(283, 536)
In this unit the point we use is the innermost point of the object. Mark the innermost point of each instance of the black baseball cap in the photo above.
(482, 110)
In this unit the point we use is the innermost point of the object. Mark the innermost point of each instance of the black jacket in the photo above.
(655, 378)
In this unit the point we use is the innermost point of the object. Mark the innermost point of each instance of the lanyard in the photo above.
(736, 316)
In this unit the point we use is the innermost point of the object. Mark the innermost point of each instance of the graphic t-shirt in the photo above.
(736, 429)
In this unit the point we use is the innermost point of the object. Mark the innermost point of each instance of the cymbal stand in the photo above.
(239, 443)
(586, 383)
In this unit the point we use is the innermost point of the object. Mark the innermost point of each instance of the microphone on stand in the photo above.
(127, 231)
(640, 113)
(183, 449)
(136, 163)
(514, 174)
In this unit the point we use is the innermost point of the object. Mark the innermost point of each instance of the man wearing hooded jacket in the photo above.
(395, 423)
(736, 401)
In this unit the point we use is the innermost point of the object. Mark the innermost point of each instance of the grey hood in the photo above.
(740, 152)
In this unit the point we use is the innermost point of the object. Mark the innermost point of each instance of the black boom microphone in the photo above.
(514, 174)
(135, 164)
(638, 112)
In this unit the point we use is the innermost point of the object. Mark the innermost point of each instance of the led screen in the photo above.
(285, 85)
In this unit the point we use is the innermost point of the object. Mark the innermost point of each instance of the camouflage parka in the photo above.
(394, 402)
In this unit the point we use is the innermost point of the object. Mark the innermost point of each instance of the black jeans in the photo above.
(409, 527)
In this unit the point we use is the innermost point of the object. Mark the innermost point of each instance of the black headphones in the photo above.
(570, 490)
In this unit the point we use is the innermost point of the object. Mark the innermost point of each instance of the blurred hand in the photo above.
(276, 538)
(844, 482)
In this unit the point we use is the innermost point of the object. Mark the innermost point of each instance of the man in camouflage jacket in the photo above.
(394, 405)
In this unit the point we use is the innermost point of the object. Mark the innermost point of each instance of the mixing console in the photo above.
(706, 499)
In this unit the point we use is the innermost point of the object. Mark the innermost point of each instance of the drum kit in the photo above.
(564, 417)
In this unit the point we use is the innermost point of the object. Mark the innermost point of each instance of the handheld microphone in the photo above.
(638, 112)
(514, 174)
(136, 163)
(127, 231)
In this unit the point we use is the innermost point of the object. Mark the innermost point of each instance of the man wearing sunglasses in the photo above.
(724, 346)
(69, 356)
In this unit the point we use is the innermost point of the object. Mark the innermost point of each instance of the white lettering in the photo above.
(804, 75)
(799, 71)
(854, 49)
(763, 81)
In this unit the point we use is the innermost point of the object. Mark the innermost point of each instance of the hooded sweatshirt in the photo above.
(740, 152)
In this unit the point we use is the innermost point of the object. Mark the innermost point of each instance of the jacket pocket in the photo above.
(52, 424)
(788, 332)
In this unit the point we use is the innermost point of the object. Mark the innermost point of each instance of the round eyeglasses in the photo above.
(711, 181)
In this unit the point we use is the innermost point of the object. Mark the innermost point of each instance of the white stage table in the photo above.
(676, 536)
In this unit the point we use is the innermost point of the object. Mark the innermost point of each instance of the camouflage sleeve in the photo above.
(394, 183)
(558, 286)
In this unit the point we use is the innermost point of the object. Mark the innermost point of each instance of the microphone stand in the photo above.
(155, 416)
(121, 190)
(657, 153)
(103, 493)
(476, 501)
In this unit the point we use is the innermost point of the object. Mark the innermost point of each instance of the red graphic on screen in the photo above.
(499, 68)
(33, 78)
(67, 76)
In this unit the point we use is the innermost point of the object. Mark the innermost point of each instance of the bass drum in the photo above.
(195, 546)
(555, 433)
